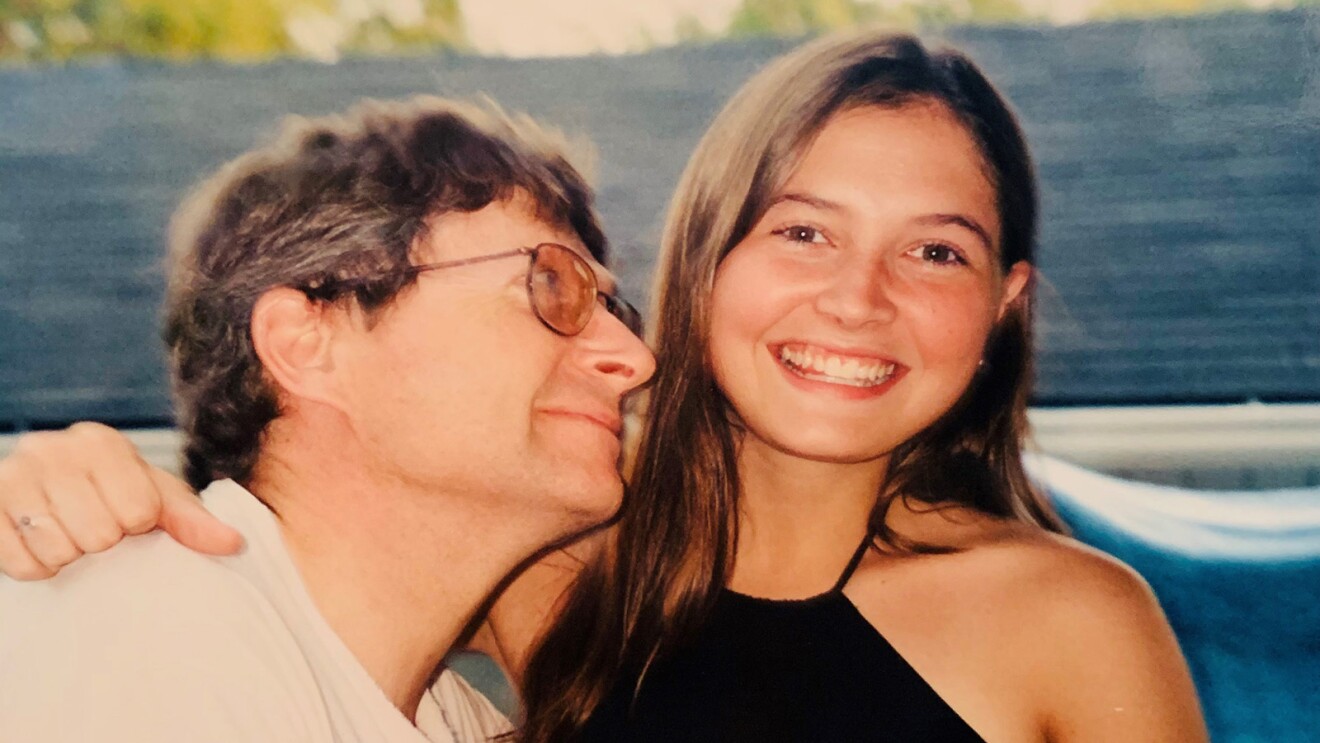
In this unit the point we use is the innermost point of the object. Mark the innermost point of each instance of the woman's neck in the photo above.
(799, 520)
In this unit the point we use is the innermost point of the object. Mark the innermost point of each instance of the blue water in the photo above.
(1238, 574)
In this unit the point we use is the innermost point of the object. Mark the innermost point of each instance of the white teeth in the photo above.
(829, 368)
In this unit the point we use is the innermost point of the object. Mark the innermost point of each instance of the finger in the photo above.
(75, 504)
(16, 560)
(184, 518)
(27, 512)
(120, 477)
(19, 491)
(47, 540)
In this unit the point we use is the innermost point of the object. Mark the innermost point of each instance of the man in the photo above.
(447, 250)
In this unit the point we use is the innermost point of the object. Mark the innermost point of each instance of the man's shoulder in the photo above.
(154, 578)
(152, 642)
(151, 572)
(147, 598)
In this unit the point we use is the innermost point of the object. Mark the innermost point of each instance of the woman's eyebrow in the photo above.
(961, 220)
(808, 199)
(928, 220)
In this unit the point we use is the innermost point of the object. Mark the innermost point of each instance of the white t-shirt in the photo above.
(151, 642)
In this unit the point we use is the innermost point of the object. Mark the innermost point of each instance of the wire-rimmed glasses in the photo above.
(561, 287)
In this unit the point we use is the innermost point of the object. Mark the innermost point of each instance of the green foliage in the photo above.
(796, 17)
(689, 30)
(255, 30)
(243, 30)
(1108, 9)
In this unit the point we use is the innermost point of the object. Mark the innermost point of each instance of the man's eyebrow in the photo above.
(961, 220)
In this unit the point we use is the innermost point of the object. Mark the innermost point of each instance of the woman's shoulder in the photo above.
(1035, 574)
(1014, 559)
(1088, 607)
(1101, 644)
(1071, 637)
(1055, 568)
(1030, 592)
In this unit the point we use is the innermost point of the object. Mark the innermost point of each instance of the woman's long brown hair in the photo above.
(657, 580)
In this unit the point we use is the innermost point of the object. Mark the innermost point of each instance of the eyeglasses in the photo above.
(561, 287)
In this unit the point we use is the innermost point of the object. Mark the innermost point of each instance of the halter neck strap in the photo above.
(853, 563)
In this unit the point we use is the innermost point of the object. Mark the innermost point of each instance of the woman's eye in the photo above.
(938, 253)
(800, 233)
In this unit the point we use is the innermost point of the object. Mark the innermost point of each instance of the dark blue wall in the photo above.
(1180, 162)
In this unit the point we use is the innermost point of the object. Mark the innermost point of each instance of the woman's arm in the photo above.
(1113, 670)
(67, 493)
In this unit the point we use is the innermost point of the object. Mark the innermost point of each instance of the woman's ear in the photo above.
(1015, 283)
(292, 335)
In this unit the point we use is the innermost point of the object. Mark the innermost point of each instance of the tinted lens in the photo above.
(563, 288)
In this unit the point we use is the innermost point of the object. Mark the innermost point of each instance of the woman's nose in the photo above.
(859, 292)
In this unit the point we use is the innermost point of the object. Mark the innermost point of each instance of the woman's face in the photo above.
(856, 310)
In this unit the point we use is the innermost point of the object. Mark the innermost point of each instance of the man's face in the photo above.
(458, 386)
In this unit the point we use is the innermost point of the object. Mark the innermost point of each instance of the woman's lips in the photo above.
(834, 366)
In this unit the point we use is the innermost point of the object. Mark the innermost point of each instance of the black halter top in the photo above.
(765, 670)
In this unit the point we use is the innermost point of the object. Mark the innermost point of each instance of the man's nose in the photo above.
(610, 349)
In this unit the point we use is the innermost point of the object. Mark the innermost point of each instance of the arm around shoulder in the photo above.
(1113, 665)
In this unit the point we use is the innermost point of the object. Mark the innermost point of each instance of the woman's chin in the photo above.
(828, 447)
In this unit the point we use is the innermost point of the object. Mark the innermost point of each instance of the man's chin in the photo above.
(595, 502)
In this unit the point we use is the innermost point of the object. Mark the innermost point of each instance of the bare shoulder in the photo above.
(1028, 568)
(1058, 578)
(1115, 665)
(1097, 639)
(1070, 639)
(1073, 597)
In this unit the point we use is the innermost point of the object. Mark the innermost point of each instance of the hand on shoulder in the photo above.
(67, 493)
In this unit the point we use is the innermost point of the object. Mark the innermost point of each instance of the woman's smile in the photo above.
(853, 314)
(849, 375)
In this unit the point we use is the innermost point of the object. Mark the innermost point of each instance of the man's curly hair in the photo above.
(333, 207)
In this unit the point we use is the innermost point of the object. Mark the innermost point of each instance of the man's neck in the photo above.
(397, 574)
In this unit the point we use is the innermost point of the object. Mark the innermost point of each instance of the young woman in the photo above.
(829, 535)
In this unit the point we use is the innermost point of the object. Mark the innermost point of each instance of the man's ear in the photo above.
(1015, 283)
(292, 335)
